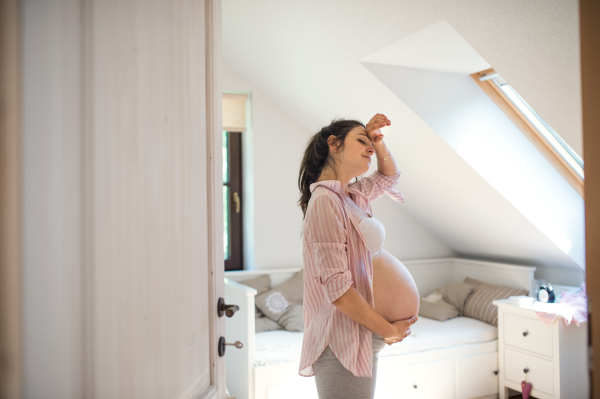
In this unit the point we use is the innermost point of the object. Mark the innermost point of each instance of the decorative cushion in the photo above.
(265, 324)
(456, 294)
(434, 307)
(261, 284)
(275, 302)
(479, 304)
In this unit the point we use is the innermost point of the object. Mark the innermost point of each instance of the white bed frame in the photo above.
(457, 372)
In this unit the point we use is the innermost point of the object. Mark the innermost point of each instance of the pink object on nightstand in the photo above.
(572, 308)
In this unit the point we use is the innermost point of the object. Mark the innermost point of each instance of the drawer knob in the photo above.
(525, 333)
(526, 370)
(414, 386)
(495, 372)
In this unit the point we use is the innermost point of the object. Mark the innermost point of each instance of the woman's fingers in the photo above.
(409, 321)
(403, 330)
(379, 118)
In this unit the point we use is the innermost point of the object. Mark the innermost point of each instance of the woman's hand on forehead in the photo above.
(374, 127)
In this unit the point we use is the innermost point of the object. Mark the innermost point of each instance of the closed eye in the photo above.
(361, 141)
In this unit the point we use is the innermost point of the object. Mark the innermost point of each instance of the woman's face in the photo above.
(358, 152)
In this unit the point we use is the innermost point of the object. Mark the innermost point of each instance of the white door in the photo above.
(123, 199)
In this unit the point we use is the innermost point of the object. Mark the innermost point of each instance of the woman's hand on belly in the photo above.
(400, 330)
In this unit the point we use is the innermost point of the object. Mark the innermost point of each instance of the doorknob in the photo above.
(236, 199)
(222, 346)
(228, 310)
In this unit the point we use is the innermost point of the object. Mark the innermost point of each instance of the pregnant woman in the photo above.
(357, 296)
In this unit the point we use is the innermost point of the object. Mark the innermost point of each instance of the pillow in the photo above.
(293, 319)
(456, 294)
(260, 284)
(479, 304)
(265, 324)
(434, 307)
(274, 302)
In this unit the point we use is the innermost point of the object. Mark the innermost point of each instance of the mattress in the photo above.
(275, 347)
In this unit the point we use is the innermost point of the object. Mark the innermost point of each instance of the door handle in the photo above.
(227, 310)
(236, 199)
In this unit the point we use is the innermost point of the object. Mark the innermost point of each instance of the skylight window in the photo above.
(556, 150)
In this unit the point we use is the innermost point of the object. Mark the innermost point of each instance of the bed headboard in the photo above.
(494, 273)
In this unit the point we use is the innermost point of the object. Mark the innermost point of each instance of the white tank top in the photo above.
(374, 233)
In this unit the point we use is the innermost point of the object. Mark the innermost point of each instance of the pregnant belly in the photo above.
(394, 290)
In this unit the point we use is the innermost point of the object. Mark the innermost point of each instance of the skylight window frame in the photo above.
(492, 89)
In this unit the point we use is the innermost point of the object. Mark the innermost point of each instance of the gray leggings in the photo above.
(334, 381)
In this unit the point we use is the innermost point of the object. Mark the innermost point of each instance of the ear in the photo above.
(332, 142)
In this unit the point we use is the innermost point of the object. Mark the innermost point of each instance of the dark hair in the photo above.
(316, 156)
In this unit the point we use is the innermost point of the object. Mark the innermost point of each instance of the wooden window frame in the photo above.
(539, 141)
(236, 219)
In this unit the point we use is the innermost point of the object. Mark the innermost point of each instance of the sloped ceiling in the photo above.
(306, 57)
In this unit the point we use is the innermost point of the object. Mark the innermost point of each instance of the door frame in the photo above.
(589, 16)
(11, 331)
(214, 158)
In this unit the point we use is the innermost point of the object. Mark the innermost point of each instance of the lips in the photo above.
(369, 158)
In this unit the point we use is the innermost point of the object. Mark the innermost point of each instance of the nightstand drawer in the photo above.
(528, 334)
(540, 374)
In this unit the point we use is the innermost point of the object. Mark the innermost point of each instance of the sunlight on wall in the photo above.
(487, 153)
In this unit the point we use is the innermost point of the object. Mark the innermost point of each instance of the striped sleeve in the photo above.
(328, 237)
(377, 184)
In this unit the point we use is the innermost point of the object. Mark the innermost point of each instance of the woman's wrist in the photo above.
(380, 147)
(384, 328)
(382, 152)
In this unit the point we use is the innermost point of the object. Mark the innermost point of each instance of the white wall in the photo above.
(405, 237)
(278, 143)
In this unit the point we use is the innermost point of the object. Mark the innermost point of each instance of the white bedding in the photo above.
(273, 347)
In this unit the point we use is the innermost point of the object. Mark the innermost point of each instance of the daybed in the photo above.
(456, 358)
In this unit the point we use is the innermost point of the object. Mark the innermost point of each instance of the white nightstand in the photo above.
(554, 357)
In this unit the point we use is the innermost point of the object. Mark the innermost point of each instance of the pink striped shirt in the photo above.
(336, 257)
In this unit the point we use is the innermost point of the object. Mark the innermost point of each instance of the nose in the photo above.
(371, 150)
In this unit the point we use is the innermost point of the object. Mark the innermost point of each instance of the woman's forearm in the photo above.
(381, 151)
(353, 305)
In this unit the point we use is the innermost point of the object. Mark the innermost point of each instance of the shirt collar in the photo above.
(334, 185)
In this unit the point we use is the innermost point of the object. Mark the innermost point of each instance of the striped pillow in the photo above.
(479, 304)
